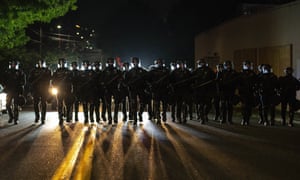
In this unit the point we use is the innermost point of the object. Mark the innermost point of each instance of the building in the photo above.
(271, 36)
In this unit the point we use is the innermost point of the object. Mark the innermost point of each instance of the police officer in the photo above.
(39, 81)
(260, 112)
(62, 80)
(204, 89)
(159, 80)
(246, 87)
(228, 84)
(75, 88)
(97, 92)
(124, 93)
(180, 80)
(136, 82)
(112, 77)
(14, 80)
(217, 97)
(85, 87)
(268, 91)
(289, 85)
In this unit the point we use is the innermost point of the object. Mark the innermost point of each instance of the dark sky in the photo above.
(153, 28)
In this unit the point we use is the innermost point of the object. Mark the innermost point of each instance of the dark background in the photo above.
(153, 28)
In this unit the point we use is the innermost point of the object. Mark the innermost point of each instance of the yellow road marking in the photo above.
(65, 169)
(84, 167)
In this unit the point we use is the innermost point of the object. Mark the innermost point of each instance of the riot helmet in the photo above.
(180, 64)
(41, 64)
(74, 65)
(227, 65)
(62, 63)
(266, 68)
(288, 71)
(172, 66)
(125, 66)
(220, 67)
(13, 64)
(158, 62)
(247, 65)
(85, 65)
(201, 63)
(110, 62)
(135, 61)
(96, 65)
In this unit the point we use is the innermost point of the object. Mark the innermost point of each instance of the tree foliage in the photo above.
(16, 15)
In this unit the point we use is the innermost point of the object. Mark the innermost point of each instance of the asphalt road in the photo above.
(146, 151)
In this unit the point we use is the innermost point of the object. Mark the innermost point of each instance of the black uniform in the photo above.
(204, 90)
(62, 80)
(14, 80)
(217, 95)
(288, 87)
(268, 92)
(75, 88)
(97, 92)
(180, 82)
(227, 84)
(159, 80)
(124, 93)
(137, 84)
(247, 89)
(39, 79)
(85, 87)
(111, 78)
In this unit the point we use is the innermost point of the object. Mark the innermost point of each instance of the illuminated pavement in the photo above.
(147, 151)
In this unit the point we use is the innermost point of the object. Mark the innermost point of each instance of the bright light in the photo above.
(77, 26)
(54, 91)
(58, 26)
(3, 101)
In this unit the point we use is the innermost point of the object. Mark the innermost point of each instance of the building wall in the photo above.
(276, 27)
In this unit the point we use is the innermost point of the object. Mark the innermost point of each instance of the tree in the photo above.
(16, 15)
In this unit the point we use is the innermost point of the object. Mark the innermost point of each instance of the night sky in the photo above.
(153, 28)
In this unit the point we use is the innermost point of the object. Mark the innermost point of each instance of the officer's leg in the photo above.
(16, 110)
(103, 109)
(142, 103)
(36, 100)
(68, 111)
(223, 110)
(116, 107)
(133, 99)
(60, 109)
(108, 107)
(291, 112)
(8, 107)
(230, 110)
(216, 102)
(97, 109)
(156, 108)
(179, 103)
(85, 111)
(124, 109)
(76, 109)
(43, 108)
(164, 110)
(272, 114)
(207, 107)
(92, 109)
(283, 111)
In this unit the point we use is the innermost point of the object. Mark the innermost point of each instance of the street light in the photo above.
(59, 40)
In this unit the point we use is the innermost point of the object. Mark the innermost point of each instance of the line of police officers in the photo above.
(136, 90)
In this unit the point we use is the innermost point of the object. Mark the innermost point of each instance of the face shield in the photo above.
(13, 65)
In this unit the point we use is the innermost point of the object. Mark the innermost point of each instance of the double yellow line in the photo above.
(84, 164)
